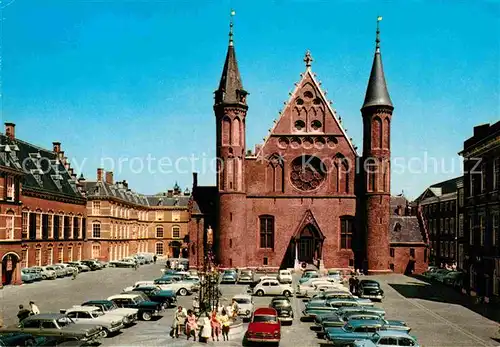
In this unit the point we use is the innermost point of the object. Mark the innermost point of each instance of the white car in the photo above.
(66, 267)
(148, 284)
(182, 288)
(310, 287)
(245, 306)
(94, 315)
(129, 315)
(285, 276)
(46, 273)
(272, 287)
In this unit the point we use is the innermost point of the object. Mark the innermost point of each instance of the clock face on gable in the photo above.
(307, 172)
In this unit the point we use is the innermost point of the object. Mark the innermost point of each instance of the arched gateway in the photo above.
(9, 268)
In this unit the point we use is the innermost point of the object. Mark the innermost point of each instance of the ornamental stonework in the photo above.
(307, 173)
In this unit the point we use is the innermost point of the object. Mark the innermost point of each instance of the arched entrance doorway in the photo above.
(308, 245)
(9, 268)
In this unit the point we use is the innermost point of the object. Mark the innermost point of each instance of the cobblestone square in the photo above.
(434, 322)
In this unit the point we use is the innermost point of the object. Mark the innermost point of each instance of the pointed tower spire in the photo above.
(230, 89)
(377, 93)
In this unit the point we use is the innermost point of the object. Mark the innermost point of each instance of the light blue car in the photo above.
(388, 338)
(26, 276)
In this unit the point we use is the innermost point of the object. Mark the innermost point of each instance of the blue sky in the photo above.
(135, 79)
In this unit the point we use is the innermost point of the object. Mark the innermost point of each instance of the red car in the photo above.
(264, 327)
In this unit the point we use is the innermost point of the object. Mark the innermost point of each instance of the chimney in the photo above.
(170, 193)
(56, 147)
(10, 130)
(195, 180)
(109, 177)
(100, 172)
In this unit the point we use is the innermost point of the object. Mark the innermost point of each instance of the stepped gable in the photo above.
(43, 171)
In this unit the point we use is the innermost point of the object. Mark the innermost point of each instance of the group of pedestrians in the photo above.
(354, 284)
(212, 324)
(25, 313)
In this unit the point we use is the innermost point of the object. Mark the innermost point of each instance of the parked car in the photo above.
(56, 324)
(181, 287)
(252, 285)
(167, 298)
(93, 315)
(336, 275)
(272, 287)
(453, 278)
(370, 289)
(146, 309)
(283, 307)
(129, 315)
(36, 273)
(67, 268)
(122, 263)
(246, 276)
(26, 276)
(352, 331)
(92, 264)
(387, 339)
(245, 305)
(44, 272)
(229, 276)
(60, 272)
(314, 286)
(341, 318)
(22, 339)
(340, 294)
(285, 276)
(306, 276)
(264, 327)
(80, 266)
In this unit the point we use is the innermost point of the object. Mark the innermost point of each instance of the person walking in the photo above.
(179, 318)
(191, 325)
(23, 313)
(206, 331)
(235, 309)
(34, 308)
(215, 324)
(74, 274)
(168, 264)
(224, 319)
(136, 265)
(154, 259)
(351, 284)
(356, 286)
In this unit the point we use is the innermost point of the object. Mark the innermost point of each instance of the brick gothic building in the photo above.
(303, 195)
(123, 222)
(42, 210)
(481, 154)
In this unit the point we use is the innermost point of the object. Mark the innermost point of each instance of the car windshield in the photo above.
(242, 301)
(264, 319)
(139, 299)
(246, 273)
(64, 321)
(370, 284)
(97, 313)
(281, 302)
(112, 306)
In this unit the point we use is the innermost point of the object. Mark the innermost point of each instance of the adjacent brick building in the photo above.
(304, 195)
(481, 154)
(123, 222)
(42, 209)
(442, 209)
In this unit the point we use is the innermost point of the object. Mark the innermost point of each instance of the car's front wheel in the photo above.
(287, 293)
(147, 316)
(183, 292)
(260, 293)
(105, 333)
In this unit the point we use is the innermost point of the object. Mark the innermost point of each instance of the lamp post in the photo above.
(209, 294)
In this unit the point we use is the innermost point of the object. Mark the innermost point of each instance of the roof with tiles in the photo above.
(120, 191)
(441, 190)
(43, 170)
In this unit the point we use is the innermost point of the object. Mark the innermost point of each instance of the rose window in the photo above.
(307, 172)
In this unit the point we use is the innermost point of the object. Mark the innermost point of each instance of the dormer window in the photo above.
(10, 188)
(397, 227)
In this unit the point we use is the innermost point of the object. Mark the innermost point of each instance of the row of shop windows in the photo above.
(50, 256)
